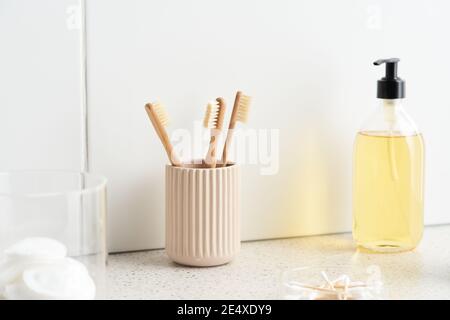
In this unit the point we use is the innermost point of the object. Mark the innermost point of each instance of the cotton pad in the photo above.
(38, 269)
(17, 291)
(26, 253)
(36, 248)
(66, 280)
(11, 270)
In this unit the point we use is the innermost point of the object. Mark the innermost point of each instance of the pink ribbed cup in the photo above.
(202, 214)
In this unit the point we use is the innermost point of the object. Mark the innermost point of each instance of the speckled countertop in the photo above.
(421, 274)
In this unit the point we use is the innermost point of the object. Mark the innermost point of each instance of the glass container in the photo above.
(332, 283)
(388, 181)
(52, 222)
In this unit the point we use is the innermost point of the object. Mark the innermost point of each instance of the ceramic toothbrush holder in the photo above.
(202, 214)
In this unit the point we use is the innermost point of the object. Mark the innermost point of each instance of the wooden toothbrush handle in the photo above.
(231, 126)
(173, 157)
(227, 144)
(163, 137)
(211, 159)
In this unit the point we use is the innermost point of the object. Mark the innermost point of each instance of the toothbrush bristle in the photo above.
(161, 113)
(243, 108)
(211, 115)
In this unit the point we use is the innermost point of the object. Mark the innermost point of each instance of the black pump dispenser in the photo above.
(390, 86)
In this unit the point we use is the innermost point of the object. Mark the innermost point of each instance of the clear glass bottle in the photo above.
(52, 235)
(388, 173)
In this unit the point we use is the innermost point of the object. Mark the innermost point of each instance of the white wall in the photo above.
(40, 93)
(306, 63)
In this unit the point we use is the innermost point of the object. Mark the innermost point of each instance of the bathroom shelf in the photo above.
(255, 273)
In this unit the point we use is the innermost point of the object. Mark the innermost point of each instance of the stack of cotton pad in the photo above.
(39, 269)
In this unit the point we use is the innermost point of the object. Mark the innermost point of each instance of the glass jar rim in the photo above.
(100, 184)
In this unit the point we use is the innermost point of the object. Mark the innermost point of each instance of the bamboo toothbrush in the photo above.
(215, 112)
(239, 114)
(159, 118)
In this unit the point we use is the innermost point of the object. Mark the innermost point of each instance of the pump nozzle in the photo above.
(390, 86)
(391, 67)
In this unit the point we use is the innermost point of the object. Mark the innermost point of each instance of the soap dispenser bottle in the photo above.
(388, 172)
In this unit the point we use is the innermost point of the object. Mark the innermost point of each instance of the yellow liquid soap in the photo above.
(388, 191)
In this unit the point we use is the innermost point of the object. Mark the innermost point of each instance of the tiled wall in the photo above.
(40, 87)
(306, 63)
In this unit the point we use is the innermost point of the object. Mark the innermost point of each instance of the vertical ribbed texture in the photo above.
(202, 215)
